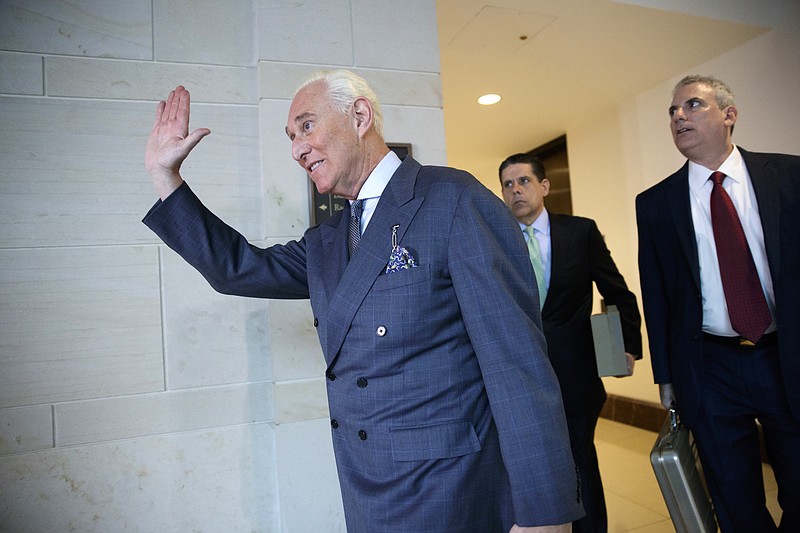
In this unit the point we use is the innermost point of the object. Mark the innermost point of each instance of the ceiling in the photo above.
(559, 62)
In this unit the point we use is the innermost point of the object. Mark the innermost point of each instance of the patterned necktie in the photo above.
(747, 305)
(536, 260)
(354, 236)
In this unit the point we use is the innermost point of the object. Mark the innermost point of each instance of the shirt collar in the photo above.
(379, 178)
(540, 225)
(733, 166)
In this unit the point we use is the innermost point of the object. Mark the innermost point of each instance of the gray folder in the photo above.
(609, 348)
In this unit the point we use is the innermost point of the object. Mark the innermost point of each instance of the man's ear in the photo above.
(545, 187)
(362, 115)
(731, 114)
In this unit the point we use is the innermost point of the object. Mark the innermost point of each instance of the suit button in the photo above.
(697, 336)
(381, 331)
(362, 434)
(362, 383)
(331, 375)
(316, 322)
(334, 423)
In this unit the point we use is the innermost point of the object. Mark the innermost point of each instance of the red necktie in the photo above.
(747, 305)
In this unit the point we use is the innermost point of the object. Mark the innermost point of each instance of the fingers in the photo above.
(159, 112)
(667, 395)
(176, 105)
(173, 102)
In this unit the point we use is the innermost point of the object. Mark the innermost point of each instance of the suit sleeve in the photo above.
(222, 255)
(654, 296)
(494, 281)
(615, 291)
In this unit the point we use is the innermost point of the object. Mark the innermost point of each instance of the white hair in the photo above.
(344, 87)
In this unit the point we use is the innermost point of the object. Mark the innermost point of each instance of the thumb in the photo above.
(195, 137)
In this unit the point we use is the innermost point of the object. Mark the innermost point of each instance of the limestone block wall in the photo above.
(132, 396)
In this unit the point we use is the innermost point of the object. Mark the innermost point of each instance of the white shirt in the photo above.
(739, 187)
(541, 230)
(376, 182)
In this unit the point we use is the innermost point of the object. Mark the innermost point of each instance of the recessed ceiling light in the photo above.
(489, 99)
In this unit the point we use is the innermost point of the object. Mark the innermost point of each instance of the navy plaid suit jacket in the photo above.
(446, 414)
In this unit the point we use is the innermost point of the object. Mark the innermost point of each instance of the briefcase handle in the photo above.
(674, 421)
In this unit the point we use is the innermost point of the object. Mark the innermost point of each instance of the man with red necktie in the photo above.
(719, 262)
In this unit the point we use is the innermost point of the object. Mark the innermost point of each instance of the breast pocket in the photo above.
(403, 278)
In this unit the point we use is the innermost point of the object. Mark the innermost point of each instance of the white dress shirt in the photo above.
(740, 188)
(373, 188)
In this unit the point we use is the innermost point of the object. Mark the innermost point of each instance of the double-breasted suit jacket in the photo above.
(445, 412)
(670, 274)
(579, 257)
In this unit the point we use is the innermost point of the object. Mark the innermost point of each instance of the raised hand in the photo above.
(170, 142)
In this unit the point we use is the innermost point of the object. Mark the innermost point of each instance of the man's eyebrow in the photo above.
(303, 116)
(299, 118)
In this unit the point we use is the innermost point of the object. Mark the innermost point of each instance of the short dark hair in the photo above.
(524, 159)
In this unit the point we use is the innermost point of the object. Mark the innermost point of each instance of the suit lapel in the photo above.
(334, 251)
(765, 184)
(397, 206)
(679, 206)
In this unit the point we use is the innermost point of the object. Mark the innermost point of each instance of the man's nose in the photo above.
(678, 114)
(299, 149)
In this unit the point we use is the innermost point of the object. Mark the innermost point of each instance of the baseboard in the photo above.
(647, 415)
(636, 413)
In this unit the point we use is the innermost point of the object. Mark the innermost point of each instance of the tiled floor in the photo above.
(633, 499)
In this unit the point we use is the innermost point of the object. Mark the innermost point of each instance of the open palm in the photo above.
(170, 141)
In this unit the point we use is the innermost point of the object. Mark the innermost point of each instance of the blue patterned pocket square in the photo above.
(400, 259)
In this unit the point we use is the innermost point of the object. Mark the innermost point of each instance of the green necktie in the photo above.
(536, 260)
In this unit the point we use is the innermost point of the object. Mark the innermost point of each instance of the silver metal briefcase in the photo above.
(680, 478)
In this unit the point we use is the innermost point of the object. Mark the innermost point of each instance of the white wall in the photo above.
(615, 156)
(620, 151)
(131, 395)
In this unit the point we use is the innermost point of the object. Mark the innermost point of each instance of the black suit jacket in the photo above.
(579, 256)
(669, 270)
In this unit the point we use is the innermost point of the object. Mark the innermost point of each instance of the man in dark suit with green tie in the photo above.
(571, 256)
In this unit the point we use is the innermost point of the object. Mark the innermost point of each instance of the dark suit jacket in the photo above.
(670, 274)
(579, 256)
(432, 371)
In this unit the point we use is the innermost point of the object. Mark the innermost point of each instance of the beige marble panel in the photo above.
(310, 496)
(90, 421)
(78, 323)
(25, 429)
(218, 480)
(423, 127)
(305, 32)
(210, 338)
(72, 171)
(296, 401)
(285, 184)
(396, 35)
(21, 74)
(95, 28)
(98, 78)
(219, 32)
(280, 81)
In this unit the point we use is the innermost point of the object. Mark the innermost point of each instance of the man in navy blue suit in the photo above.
(445, 412)
(573, 257)
(724, 341)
